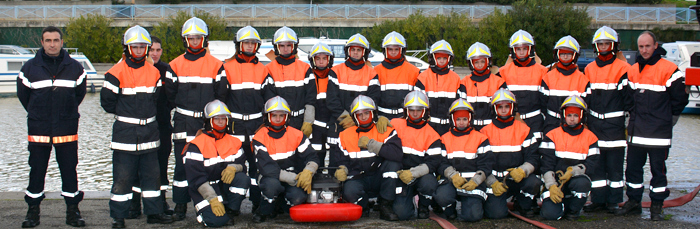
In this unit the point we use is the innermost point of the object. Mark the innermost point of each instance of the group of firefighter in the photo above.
(390, 132)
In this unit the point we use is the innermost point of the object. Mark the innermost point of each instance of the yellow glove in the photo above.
(499, 188)
(307, 128)
(469, 186)
(340, 173)
(458, 180)
(217, 207)
(405, 175)
(382, 123)
(362, 143)
(517, 174)
(347, 121)
(555, 194)
(565, 177)
(228, 174)
(304, 180)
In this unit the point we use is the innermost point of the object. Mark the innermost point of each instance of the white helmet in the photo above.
(504, 95)
(195, 26)
(247, 33)
(285, 34)
(276, 103)
(574, 101)
(478, 50)
(520, 38)
(216, 108)
(360, 103)
(457, 105)
(606, 34)
(441, 46)
(570, 43)
(416, 99)
(136, 35)
(394, 38)
(357, 40)
(321, 48)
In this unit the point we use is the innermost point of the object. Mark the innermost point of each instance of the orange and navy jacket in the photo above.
(525, 82)
(512, 144)
(194, 81)
(558, 84)
(608, 101)
(51, 101)
(467, 152)
(564, 147)
(294, 85)
(287, 149)
(250, 86)
(349, 82)
(420, 144)
(658, 91)
(395, 80)
(361, 161)
(478, 91)
(323, 114)
(130, 92)
(442, 88)
(206, 157)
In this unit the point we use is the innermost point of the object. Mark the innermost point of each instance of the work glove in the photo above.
(565, 177)
(307, 128)
(470, 186)
(382, 123)
(304, 180)
(341, 173)
(228, 174)
(362, 143)
(217, 207)
(517, 174)
(405, 176)
(458, 180)
(499, 188)
(346, 121)
(555, 194)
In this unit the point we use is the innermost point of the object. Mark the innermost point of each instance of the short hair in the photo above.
(653, 37)
(51, 29)
(155, 39)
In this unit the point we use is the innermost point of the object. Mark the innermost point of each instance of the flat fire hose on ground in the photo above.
(680, 201)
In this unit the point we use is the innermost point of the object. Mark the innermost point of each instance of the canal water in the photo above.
(95, 167)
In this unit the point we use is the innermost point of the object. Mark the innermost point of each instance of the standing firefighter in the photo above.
(50, 87)
(523, 75)
(321, 61)
(250, 86)
(657, 89)
(397, 77)
(195, 80)
(291, 81)
(479, 86)
(467, 161)
(516, 159)
(608, 101)
(215, 165)
(569, 152)
(421, 157)
(563, 81)
(370, 160)
(440, 84)
(130, 92)
(286, 161)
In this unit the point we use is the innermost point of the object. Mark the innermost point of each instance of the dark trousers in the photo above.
(272, 188)
(232, 195)
(575, 195)
(607, 183)
(360, 188)
(472, 210)
(67, 159)
(636, 158)
(424, 187)
(126, 168)
(319, 138)
(496, 207)
(254, 192)
(180, 194)
(166, 146)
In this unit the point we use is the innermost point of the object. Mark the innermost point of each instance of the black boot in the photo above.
(32, 218)
(166, 208)
(259, 218)
(159, 219)
(179, 212)
(451, 212)
(423, 210)
(630, 207)
(386, 210)
(73, 217)
(656, 210)
(135, 208)
(118, 223)
(595, 207)
(573, 216)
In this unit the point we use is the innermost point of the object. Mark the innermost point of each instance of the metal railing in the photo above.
(328, 11)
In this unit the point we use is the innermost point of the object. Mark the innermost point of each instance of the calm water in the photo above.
(95, 167)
